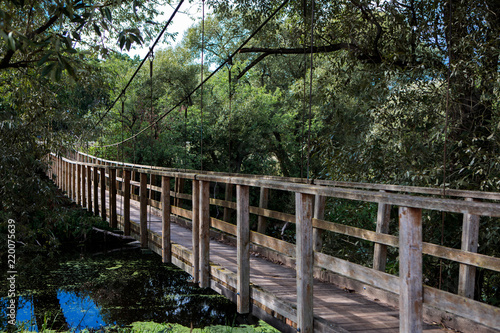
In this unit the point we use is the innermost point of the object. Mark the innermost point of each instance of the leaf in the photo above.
(11, 41)
(48, 69)
(44, 59)
(107, 13)
(97, 30)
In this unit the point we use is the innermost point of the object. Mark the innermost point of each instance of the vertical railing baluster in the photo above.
(196, 230)
(470, 238)
(113, 220)
(126, 202)
(144, 210)
(204, 234)
(166, 252)
(243, 248)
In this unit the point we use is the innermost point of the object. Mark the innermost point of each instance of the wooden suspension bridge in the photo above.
(295, 287)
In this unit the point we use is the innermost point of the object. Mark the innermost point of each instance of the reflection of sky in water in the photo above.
(80, 312)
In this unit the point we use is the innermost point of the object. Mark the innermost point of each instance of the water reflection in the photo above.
(116, 289)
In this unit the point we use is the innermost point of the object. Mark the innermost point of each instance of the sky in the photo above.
(188, 14)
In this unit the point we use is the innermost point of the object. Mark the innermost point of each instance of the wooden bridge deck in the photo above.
(340, 310)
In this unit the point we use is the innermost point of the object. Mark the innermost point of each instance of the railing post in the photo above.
(73, 180)
(319, 213)
(305, 261)
(380, 250)
(83, 172)
(470, 236)
(126, 202)
(112, 198)
(204, 234)
(166, 253)
(96, 191)
(196, 230)
(243, 248)
(103, 193)
(228, 196)
(89, 188)
(78, 184)
(68, 180)
(410, 270)
(152, 181)
(144, 210)
(263, 201)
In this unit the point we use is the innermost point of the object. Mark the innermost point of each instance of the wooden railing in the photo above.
(86, 174)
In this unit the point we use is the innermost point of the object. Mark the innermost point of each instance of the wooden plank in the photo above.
(126, 202)
(204, 211)
(144, 210)
(112, 198)
(196, 231)
(96, 193)
(263, 202)
(228, 196)
(103, 193)
(78, 177)
(319, 213)
(305, 260)
(380, 250)
(165, 203)
(83, 170)
(243, 249)
(89, 189)
(470, 237)
(410, 270)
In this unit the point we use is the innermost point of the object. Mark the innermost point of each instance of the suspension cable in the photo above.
(310, 94)
(160, 118)
(201, 80)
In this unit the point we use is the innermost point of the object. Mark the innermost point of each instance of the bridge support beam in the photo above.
(243, 248)
(113, 219)
(89, 188)
(204, 234)
(96, 191)
(126, 202)
(319, 213)
(196, 230)
(144, 210)
(166, 253)
(305, 260)
(103, 193)
(470, 238)
(380, 250)
(410, 270)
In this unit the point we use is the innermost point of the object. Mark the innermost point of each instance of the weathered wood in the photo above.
(319, 213)
(96, 189)
(410, 270)
(89, 189)
(73, 182)
(263, 202)
(165, 230)
(470, 237)
(144, 210)
(196, 231)
(243, 249)
(228, 196)
(204, 234)
(78, 178)
(305, 260)
(126, 202)
(179, 188)
(112, 198)
(83, 170)
(103, 193)
(380, 250)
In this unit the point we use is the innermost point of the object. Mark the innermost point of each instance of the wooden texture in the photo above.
(380, 250)
(305, 260)
(228, 196)
(103, 193)
(96, 191)
(78, 179)
(204, 211)
(166, 253)
(470, 237)
(410, 270)
(319, 213)
(112, 198)
(89, 188)
(196, 231)
(126, 202)
(83, 170)
(144, 210)
(243, 249)
(263, 202)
